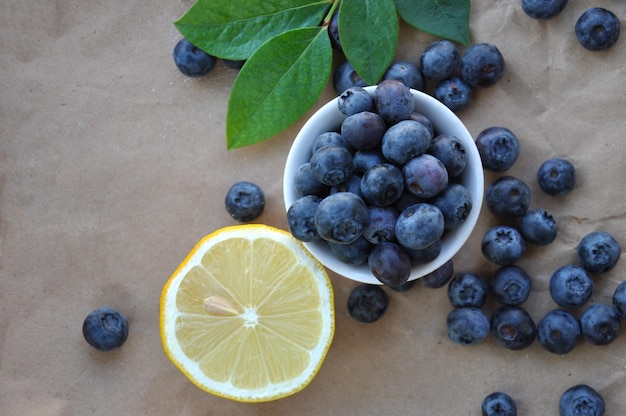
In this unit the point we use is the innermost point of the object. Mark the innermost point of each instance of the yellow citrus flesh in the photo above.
(248, 315)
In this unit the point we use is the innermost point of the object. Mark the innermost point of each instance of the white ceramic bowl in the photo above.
(329, 118)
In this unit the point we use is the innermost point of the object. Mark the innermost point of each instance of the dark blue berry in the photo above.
(405, 140)
(419, 226)
(439, 277)
(355, 100)
(422, 119)
(503, 245)
(344, 77)
(451, 152)
(365, 159)
(619, 299)
(351, 185)
(482, 65)
(105, 329)
(245, 201)
(382, 185)
(543, 9)
(467, 289)
(597, 29)
(455, 203)
(600, 324)
(598, 252)
(390, 263)
(301, 218)
(425, 176)
(440, 60)
(191, 60)
(356, 252)
(498, 404)
(394, 101)
(405, 287)
(382, 225)
(556, 176)
(498, 147)
(426, 254)
(538, 227)
(407, 73)
(508, 197)
(341, 217)
(571, 286)
(333, 32)
(328, 138)
(367, 303)
(581, 400)
(511, 285)
(363, 130)
(513, 327)
(467, 325)
(558, 331)
(306, 184)
(454, 93)
(331, 165)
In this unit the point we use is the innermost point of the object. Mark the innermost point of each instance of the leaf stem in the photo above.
(330, 13)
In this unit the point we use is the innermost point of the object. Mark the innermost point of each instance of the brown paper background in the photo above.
(113, 165)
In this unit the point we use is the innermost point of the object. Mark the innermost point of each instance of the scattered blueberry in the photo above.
(105, 329)
(451, 152)
(455, 203)
(440, 60)
(498, 147)
(498, 404)
(438, 277)
(301, 218)
(511, 285)
(363, 130)
(513, 327)
(543, 9)
(581, 400)
(503, 245)
(331, 165)
(333, 31)
(598, 252)
(367, 303)
(419, 225)
(597, 29)
(191, 60)
(355, 252)
(508, 197)
(341, 217)
(382, 185)
(407, 73)
(619, 299)
(556, 176)
(454, 92)
(405, 140)
(467, 325)
(600, 324)
(355, 100)
(405, 287)
(538, 227)
(482, 65)
(425, 176)
(558, 331)
(245, 201)
(571, 286)
(390, 263)
(467, 289)
(344, 77)
(394, 101)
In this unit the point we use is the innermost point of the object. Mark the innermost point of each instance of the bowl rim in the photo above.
(328, 118)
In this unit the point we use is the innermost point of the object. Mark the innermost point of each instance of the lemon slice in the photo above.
(248, 315)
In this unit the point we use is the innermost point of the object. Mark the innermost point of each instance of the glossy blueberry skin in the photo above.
(498, 404)
(571, 286)
(344, 77)
(581, 400)
(382, 226)
(105, 329)
(538, 227)
(390, 263)
(467, 325)
(355, 253)
(556, 176)
(367, 303)
(365, 159)
(455, 203)
(467, 289)
(331, 165)
(451, 152)
(598, 252)
(333, 32)
(394, 101)
(482, 65)
(439, 277)
(513, 327)
(511, 285)
(454, 92)
(405, 140)
(440, 60)
(355, 100)
(363, 130)
(192, 61)
(558, 331)
(245, 201)
(421, 118)
(597, 29)
(407, 199)
(498, 147)
(382, 185)
(600, 324)
(306, 184)
(543, 9)
(301, 218)
(619, 299)
(341, 217)
(351, 185)
(419, 226)
(426, 254)
(407, 73)
(503, 245)
(508, 197)
(425, 176)
(328, 138)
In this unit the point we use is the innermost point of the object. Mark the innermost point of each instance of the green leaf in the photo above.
(448, 19)
(368, 30)
(280, 82)
(232, 29)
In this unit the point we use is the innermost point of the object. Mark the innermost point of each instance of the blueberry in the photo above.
(467, 325)
(191, 60)
(597, 29)
(619, 299)
(571, 286)
(426, 254)
(598, 252)
(543, 9)
(451, 152)
(394, 101)
(390, 263)
(558, 331)
(344, 77)
(425, 176)
(405, 287)
(406, 200)
(331, 165)
(498, 147)
(498, 404)
(301, 218)
(382, 225)
(439, 277)
(538, 227)
(405, 140)
(503, 245)
(407, 73)
(363, 130)
(356, 252)
(365, 159)
(306, 184)
(513, 327)
(455, 203)
(511, 285)
(328, 138)
(440, 60)
(423, 119)
(105, 329)
(581, 400)
(454, 93)
(333, 32)
(556, 176)
(341, 217)
(245, 201)
(467, 289)
(600, 324)
(482, 65)
(419, 226)
(367, 303)
(381, 185)
(351, 185)
(355, 100)
(508, 197)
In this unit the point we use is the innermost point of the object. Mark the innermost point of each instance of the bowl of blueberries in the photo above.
(383, 184)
